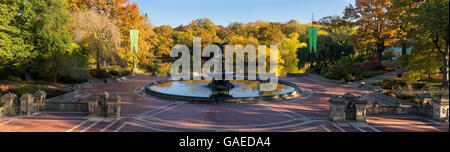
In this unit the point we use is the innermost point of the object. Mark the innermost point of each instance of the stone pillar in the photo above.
(361, 113)
(348, 97)
(440, 109)
(93, 108)
(39, 98)
(376, 108)
(26, 104)
(8, 103)
(113, 106)
(425, 100)
(337, 109)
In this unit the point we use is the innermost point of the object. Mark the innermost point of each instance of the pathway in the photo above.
(141, 112)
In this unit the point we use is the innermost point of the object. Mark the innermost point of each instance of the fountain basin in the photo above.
(197, 91)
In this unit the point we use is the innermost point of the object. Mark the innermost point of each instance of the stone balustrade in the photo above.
(104, 105)
(8, 104)
(348, 108)
(440, 109)
(98, 105)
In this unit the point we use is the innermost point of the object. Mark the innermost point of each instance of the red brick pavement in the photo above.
(144, 113)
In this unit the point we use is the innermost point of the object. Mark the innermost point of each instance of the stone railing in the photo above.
(351, 108)
(104, 105)
(377, 110)
(347, 108)
(393, 101)
(27, 104)
(415, 92)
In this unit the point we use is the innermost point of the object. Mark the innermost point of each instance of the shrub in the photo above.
(32, 89)
(411, 77)
(329, 75)
(392, 84)
(71, 80)
(13, 79)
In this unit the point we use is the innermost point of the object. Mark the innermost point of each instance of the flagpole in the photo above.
(312, 55)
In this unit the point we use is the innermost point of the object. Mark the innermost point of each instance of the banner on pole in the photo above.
(312, 31)
(134, 40)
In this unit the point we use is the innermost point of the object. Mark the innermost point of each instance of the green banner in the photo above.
(312, 31)
(134, 40)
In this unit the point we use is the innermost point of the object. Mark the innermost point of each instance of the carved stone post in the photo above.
(113, 106)
(39, 98)
(102, 103)
(376, 108)
(440, 109)
(8, 103)
(26, 104)
(425, 100)
(93, 108)
(337, 109)
(360, 105)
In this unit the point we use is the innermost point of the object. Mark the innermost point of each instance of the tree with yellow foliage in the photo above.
(374, 29)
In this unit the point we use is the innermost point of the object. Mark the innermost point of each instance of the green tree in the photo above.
(329, 52)
(339, 29)
(422, 61)
(400, 14)
(433, 24)
(288, 52)
(53, 39)
(11, 43)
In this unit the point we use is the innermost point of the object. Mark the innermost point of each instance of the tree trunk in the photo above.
(55, 77)
(380, 51)
(445, 71)
(404, 49)
(444, 54)
(445, 64)
(98, 55)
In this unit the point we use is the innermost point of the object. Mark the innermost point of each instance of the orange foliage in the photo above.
(127, 17)
(4, 88)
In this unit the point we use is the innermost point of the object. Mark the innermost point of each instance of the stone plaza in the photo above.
(123, 106)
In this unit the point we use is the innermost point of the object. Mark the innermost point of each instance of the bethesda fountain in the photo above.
(221, 90)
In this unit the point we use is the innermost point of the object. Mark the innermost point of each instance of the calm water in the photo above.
(198, 88)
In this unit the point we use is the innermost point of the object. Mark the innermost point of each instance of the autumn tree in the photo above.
(374, 27)
(164, 40)
(97, 32)
(125, 15)
(339, 29)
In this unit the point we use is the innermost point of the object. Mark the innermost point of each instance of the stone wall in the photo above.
(393, 101)
(393, 110)
(27, 104)
(65, 107)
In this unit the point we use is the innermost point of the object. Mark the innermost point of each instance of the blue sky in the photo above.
(223, 12)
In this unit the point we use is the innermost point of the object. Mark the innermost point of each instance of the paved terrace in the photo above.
(144, 113)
